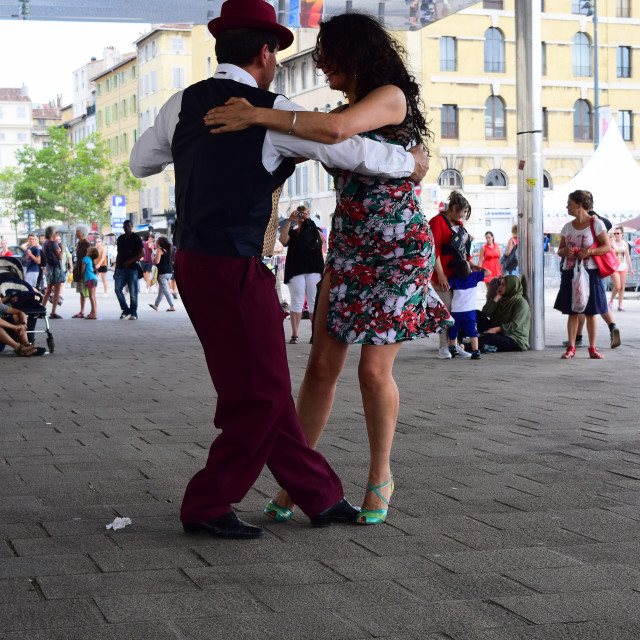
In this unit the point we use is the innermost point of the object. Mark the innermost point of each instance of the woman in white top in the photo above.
(619, 276)
(576, 240)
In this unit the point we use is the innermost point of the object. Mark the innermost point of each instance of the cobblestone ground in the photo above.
(516, 513)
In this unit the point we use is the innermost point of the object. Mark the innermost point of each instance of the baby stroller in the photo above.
(21, 295)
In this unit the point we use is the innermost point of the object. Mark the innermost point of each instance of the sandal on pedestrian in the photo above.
(54, 316)
(376, 516)
(25, 350)
(569, 353)
(293, 340)
(277, 513)
(91, 317)
(171, 309)
(78, 315)
(594, 354)
(621, 309)
(153, 306)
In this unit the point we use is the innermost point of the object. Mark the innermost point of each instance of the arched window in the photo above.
(303, 73)
(581, 55)
(546, 180)
(494, 122)
(493, 51)
(293, 81)
(582, 121)
(327, 107)
(450, 178)
(496, 178)
(279, 83)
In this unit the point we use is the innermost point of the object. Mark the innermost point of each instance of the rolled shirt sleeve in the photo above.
(152, 151)
(360, 155)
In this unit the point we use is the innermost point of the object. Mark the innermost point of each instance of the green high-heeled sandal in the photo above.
(376, 516)
(277, 513)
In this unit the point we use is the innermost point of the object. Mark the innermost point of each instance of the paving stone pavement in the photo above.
(516, 514)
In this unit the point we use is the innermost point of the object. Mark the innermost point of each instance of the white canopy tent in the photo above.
(612, 175)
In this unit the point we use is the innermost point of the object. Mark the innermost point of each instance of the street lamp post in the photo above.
(592, 10)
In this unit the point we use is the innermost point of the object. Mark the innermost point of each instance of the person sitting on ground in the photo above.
(505, 319)
(464, 283)
(13, 332)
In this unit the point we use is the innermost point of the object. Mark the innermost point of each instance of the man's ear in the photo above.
(263, 56)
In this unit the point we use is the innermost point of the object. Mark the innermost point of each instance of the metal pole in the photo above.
(596, 88)
(529, 152)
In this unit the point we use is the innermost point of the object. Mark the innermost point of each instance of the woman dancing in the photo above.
(375, 289)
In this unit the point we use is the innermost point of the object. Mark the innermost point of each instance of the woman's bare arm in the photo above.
(384, 106)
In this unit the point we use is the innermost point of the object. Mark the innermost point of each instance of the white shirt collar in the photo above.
(226, 71)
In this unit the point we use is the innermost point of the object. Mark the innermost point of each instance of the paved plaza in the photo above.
(516, 514)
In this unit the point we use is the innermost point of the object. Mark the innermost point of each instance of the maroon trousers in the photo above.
(234, 308)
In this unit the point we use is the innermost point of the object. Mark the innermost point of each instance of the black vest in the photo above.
(223, 191)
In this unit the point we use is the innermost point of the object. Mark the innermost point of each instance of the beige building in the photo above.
(468, 75)
(16, 125)
(45, 116)
(165, 66)
(116, 112)
(466, 66)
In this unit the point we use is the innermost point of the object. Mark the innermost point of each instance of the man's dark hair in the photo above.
(241, 46)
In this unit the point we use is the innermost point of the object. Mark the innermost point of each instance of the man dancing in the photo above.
(219, 238)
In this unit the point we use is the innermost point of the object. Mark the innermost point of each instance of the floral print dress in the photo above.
(381, 258)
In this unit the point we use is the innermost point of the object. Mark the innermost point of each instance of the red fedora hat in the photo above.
(254, 14)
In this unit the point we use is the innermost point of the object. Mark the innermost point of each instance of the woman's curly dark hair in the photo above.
(356, 43)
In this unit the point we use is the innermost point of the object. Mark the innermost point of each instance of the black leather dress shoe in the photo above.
(342, 511)
(225, 526)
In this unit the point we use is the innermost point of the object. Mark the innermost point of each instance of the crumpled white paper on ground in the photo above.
(119, 523)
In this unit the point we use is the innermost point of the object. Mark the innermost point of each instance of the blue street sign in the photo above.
(118, 201)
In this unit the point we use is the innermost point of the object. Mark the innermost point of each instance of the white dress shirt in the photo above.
(152, 152)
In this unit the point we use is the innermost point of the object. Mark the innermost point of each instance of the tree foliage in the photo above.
(71, 182)
(9, 178)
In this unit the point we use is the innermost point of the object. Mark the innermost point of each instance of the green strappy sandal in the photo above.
(375, 516)
(277, 513)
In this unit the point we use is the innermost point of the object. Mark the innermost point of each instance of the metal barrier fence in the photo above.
(552, 272)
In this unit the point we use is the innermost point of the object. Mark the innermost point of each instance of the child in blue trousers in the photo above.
(463, 283)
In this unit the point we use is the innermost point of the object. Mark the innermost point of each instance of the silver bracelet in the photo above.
(293, 124)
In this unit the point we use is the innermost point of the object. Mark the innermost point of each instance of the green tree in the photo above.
(9, 178)
(45, 175)
(70, 181)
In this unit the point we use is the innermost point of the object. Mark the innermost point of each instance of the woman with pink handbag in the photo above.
(577, 243)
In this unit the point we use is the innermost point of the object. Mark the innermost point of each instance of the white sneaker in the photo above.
(461, 352)
(124, 316)
(443, 353)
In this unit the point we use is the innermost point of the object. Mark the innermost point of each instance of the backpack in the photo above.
(607, 222)
(50, 256)
(510, 262)
(460, 243)
(309, 239)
